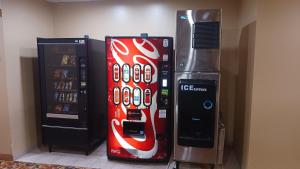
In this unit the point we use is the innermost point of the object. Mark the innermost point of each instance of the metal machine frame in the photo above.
(198, 58)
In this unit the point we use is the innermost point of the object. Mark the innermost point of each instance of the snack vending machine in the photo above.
(73, 92)
(198, 137)
(139, 97)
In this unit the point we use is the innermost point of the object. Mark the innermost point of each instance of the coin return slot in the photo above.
(133, 128)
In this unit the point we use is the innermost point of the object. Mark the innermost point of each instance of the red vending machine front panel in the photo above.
(139, 77)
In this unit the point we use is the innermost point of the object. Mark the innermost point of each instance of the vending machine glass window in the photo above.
(61, 81)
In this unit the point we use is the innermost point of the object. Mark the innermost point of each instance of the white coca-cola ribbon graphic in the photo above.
(114, 49)
(132, 150)
(151, 54)
(114, 41)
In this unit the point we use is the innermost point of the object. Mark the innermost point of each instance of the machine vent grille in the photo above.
(206, 35)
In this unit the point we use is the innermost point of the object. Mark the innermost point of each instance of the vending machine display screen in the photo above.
(196, 112)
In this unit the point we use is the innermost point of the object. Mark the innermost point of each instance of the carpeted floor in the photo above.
(22, 165)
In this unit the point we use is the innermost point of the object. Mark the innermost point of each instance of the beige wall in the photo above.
(246, 52)
(132, 17)
(5, 147)
(274, 133)
(23, 21)
(244, 91)
(247, 12)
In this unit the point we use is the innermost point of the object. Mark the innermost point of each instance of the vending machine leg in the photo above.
(87, 151)
(195, 166)
(218, 166)
(177, 165)
(50, 148)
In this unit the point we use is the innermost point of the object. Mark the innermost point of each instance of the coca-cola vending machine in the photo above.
(139, 97)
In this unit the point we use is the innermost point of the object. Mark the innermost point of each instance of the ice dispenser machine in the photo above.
(196, 87)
